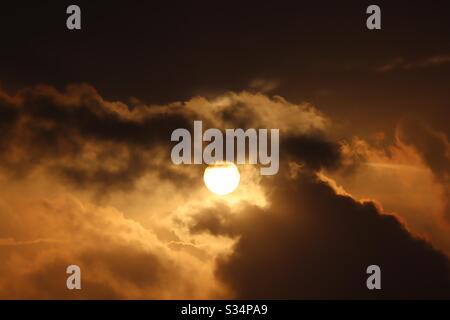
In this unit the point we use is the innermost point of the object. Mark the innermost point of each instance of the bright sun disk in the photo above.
(222, 178)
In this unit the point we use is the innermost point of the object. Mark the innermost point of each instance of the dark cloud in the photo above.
(314, 243)
(91, 142)
(85, 113)
(240, 116)
(52, 128)
(216, 221)
(314, 151)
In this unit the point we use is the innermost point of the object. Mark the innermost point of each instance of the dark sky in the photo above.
(320, 52)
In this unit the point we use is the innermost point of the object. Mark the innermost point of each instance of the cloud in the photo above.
(433, 146)
(402, 64)
(434, 149)
(87, 181)
(94, 143)
(82, 137)
(264, 85)
(314, 243)
(118, 257)
(313, 151)
(408, 176)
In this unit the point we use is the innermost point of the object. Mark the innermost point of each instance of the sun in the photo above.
(222, 178)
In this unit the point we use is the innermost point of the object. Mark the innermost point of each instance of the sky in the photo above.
(86, 176)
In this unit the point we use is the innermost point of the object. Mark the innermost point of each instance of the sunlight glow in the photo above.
(222, 178)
